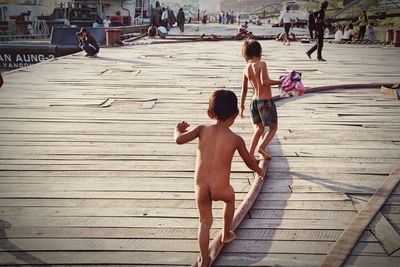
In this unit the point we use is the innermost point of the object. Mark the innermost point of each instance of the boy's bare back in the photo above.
(256, 72)
(216, 148)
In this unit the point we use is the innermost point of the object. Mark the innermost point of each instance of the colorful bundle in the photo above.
(291, 84)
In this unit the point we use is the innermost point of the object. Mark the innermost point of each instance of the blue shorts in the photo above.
(263, 111)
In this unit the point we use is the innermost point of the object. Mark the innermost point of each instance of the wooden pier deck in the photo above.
(89, 172)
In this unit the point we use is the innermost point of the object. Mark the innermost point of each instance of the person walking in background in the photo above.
(198, 15)
(180, 19)
(287, 24)
(190, 16)
(320, 29)
(311, 24)
(362, 22)
(205, 17)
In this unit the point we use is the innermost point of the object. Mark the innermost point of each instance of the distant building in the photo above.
(9, 9)
(211, 6)
(246, 5)
(187, 5)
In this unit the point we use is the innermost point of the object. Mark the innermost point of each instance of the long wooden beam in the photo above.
(350, 236)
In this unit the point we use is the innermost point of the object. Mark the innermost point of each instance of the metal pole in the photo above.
(101, 8)
(141, 13)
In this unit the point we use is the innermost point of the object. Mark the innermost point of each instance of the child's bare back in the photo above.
(217, 146)
(256, 72)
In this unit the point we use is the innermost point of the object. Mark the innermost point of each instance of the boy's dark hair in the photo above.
(223, 104)
(324, 5)
(251, 48)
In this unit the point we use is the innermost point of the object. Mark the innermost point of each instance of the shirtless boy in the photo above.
(262, 106)
(217, 145)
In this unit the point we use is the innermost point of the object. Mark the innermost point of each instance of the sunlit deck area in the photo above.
(90, 173)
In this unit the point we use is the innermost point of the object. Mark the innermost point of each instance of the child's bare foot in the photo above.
(229, 238)
(201, 263)
(264, 154)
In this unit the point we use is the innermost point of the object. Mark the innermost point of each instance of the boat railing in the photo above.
(138, 21)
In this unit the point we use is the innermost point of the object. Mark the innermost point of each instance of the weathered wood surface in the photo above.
(382, 229)
(336, 173)
(89, 173)
(345, 245)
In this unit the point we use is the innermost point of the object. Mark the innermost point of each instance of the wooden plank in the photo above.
(383, 230)
(385, 233)
(167, 213)
(147, 203)
(306, 204)
(138, 222)
(300, 214)
(172, 233)
(300, 247)
(293, 224)
(126, 258)
(107, 103)
(98, 244)
(343, 246)
(109, 174)
(186, 185)
(297, 260)
(172, 203)
(299, 235)
(104, 212)
(149, 104)
(171, 245)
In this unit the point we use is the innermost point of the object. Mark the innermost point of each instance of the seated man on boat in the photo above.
(88, 43)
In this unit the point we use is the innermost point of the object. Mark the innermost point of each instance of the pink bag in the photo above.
(291, 83)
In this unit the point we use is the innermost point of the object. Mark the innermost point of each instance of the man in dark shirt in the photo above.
(87, 43)
(319, 30)
(311, 24)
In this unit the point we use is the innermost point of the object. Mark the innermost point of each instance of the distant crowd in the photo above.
(365, 32)
(348, 32)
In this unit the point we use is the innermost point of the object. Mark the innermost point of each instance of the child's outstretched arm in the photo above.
(182, 136)
(265, 80)
(244, 94)
(248, 159)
